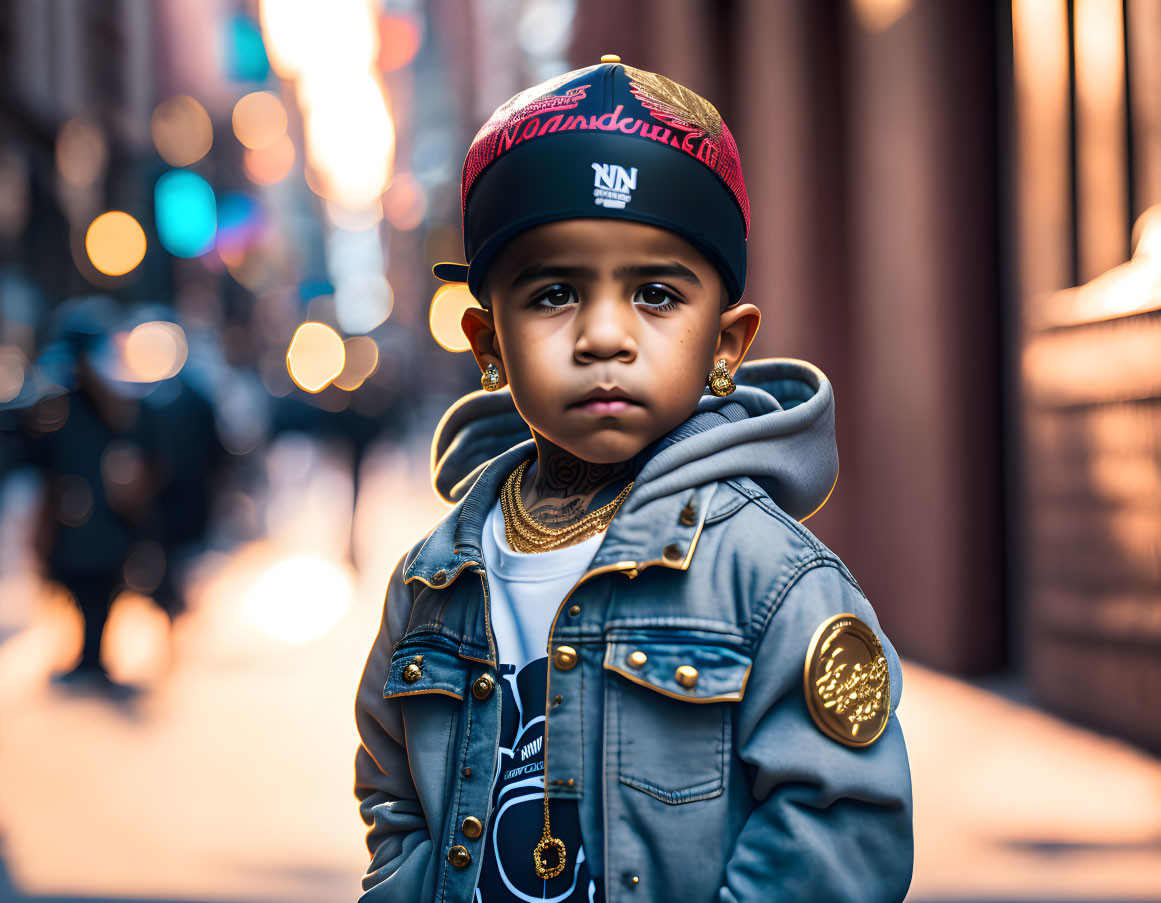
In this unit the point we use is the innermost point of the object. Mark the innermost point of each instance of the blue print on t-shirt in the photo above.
(517, 821)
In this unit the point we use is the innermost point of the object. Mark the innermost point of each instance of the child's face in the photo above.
(603, 305)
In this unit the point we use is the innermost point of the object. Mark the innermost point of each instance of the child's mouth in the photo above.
(604, 405)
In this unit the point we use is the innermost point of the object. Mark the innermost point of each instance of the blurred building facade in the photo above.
(944, 194)
(930, 182)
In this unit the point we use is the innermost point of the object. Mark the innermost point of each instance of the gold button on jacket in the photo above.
(482, 686)
(459, 856)
(687, 676)
(412, 673)
(564, 658)
(472, 827)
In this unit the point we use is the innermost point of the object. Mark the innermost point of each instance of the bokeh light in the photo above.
(349, 220)
(186, 213)
(239, 226)
(363, 303)
(154, 351)
(245, 54)
(115, 243)
(330, 51)
(299, 599)
(879, 15)
(399, 40)
(12, 372)
(350, 137)
(269, 165)
(81, 152)
(259, 119)
(181, 130)
(362, 361)
(315, 357)
(304, 35)
(405, 202)
(447, 308)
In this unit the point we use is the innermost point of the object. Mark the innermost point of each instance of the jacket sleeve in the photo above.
(398, 840)
(832, 822)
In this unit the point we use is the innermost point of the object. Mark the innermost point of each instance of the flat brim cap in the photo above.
(608, 141)
(450, 272)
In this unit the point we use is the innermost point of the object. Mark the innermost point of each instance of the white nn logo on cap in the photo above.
(612, 184)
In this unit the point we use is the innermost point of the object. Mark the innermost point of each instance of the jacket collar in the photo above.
(663, 531)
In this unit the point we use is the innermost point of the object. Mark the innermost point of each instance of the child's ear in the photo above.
(479, 326)
(737, 328)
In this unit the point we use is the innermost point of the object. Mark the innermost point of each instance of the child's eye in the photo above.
(554, 297)
(658, 297)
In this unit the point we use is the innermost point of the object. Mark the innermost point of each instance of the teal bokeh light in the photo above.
(245, 53)
(186, 213)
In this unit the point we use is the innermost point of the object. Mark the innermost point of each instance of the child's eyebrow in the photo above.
(672, 270)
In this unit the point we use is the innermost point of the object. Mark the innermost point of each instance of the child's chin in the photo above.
(616, 448)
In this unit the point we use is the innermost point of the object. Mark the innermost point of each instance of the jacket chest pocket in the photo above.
(672, 707)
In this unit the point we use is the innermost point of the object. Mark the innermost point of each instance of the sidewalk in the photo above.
(229, 779)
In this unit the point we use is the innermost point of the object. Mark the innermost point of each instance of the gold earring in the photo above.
(490, 378)
(719, 380)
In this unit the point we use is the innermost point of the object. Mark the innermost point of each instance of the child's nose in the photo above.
(605, 329)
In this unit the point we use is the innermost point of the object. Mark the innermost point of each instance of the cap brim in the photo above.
(451, 272)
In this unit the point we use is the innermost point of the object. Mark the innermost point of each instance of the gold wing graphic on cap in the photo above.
(674, 103)
(516, 106)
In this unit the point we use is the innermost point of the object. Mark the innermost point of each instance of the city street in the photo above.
(228, 776)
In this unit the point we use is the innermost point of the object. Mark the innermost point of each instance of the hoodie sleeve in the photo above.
(833, 822)
(398, 840)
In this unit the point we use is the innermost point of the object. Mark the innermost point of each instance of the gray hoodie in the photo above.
(777, 428)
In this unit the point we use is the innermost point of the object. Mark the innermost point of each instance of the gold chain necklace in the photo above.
(525, 534)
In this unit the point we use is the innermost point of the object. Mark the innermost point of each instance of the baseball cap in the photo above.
(605, 141)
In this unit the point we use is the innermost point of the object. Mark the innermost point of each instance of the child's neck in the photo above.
(564, 488)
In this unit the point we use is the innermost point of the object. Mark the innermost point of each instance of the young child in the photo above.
(620, 669)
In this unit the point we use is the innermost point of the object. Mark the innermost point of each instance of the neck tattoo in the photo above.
(565, 487)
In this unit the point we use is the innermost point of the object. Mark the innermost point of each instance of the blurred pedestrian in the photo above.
(98, 476)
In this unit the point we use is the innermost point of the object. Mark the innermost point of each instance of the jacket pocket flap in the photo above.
(695, 672)
(426, 664)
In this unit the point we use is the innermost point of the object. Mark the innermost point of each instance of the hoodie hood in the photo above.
(777, 428)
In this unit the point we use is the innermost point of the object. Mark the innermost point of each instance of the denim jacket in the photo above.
(725, 791)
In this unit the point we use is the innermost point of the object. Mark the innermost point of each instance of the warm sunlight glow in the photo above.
(299, 599)
(330, 52)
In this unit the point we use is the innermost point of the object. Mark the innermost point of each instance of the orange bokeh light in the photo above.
(399, 40)
(181, 130)
(259, 120)
(405, 202)
(115, 243)
(447, 308)
(268, 165)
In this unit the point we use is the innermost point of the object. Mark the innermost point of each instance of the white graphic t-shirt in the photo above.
(524, 591)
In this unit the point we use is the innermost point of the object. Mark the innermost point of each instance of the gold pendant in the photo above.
(548, 842)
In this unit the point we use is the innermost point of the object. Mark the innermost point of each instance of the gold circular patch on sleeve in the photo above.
(846, 679)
